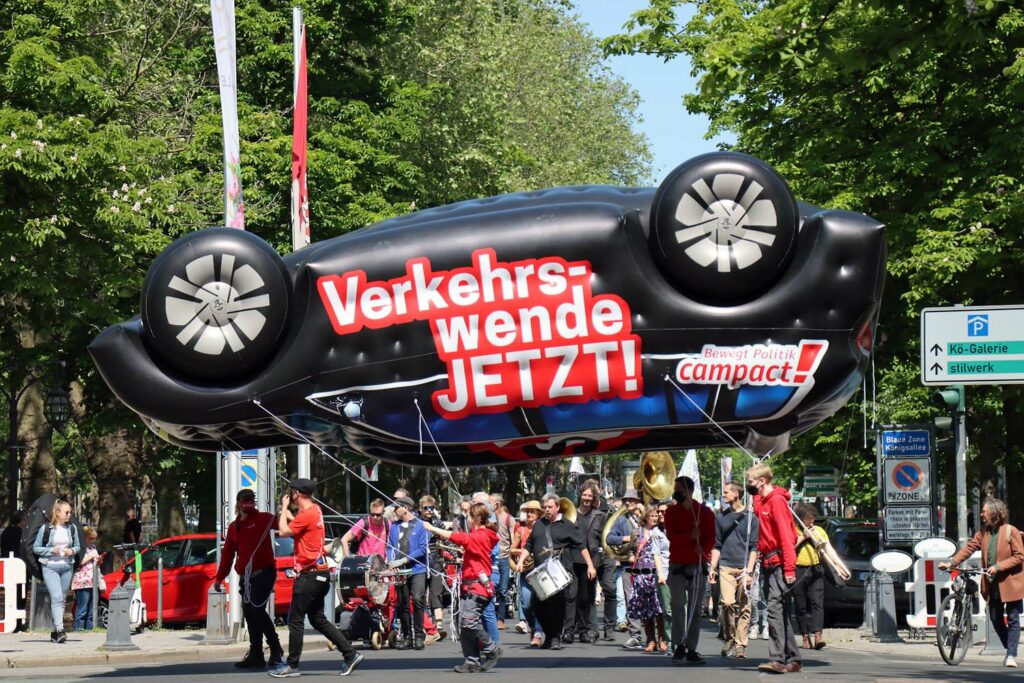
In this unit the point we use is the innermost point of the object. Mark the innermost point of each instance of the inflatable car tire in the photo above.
(723, 227)
(212, 295)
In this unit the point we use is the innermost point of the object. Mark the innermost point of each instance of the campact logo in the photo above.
(759, 365)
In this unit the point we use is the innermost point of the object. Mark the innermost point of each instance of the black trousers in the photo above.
(572, 598)
(606, 577)
(308, 593)
(584, 599)
(436, 589)
(415, 586)
(551, 614)
(254, 610)
(809, 594)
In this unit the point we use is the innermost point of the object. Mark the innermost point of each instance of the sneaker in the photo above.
(678, 655)
(418, 644)
(621, 627)
(490, 660)
(693, 658)
(501, 624)
(727, 649)
(350, 665)
(632, 644)
(741, 652)
(282, 670)
(276, 656)
(772, 668)
(1010, 662)
(536, 641)
(432, 638)
(568, 638)
(467, 667)
(753, 634)
(404, 644)
(521, 627)
(62, 637)
(607, 635)
(556, 644)
(794, 667)
(766, 634)
(587, 637)
(253, 659)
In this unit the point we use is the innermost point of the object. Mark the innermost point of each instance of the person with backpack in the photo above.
(56, 545)
(371, 532)
(250, 538)
(1002, 558)
(733, 561)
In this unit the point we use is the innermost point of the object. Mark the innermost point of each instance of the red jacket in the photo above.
(243, 535)
(777, 539)
(683, 548)
(476, 559)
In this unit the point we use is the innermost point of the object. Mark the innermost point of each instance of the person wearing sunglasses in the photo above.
(371, 532)
(435, 584)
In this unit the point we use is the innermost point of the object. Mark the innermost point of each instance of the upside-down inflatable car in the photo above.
(711, 310)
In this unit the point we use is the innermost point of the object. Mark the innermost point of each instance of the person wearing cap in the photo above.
(408, 545)
(250, 539)
(312, 581)
(528, 622)
(624, 532)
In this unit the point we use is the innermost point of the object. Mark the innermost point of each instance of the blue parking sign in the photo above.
(977, 325)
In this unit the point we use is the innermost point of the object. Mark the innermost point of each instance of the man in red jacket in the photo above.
(250, 538)
(776, 544)
(690, 527)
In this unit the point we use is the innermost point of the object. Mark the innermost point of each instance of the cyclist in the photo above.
(1002, 556)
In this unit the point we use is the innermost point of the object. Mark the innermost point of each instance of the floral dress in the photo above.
(82, 577)
(643, 603)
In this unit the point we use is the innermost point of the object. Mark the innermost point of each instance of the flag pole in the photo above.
(300, 229)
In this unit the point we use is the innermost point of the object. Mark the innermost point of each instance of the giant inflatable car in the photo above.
(712, 310)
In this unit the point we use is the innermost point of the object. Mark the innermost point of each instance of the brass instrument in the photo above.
(826, 552)
(656, 479)
(568, 509)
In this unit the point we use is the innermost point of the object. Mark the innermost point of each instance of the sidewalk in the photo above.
(83, 648)
(853, 639)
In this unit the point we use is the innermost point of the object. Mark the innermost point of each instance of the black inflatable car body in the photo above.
(712, 310)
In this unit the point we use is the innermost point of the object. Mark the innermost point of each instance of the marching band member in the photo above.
(690, 528)
(519, 554)
(590, 521)
(480, 651)
(407, 547)
(623, 532)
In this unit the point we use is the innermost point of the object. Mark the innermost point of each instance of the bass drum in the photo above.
(215, 304)
(723, 228)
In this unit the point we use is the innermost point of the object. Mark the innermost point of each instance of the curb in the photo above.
(189, 655)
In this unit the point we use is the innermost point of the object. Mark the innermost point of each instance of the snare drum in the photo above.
(549, 578)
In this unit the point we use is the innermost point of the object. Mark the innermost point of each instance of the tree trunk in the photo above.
(39, 474)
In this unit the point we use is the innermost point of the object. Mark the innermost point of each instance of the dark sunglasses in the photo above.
(376, 514)
(429, 508)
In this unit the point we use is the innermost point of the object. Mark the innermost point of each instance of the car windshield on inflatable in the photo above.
(712, 310)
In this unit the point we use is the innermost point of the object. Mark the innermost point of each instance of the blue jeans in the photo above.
(489, 614)
(620, 598)
(1009, 630)
(502, 585)
(526, 608)
(58, 581)
(83, 609)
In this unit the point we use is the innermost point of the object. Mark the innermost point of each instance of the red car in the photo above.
(190, 564)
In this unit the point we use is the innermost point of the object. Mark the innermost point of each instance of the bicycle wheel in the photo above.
(953, 632)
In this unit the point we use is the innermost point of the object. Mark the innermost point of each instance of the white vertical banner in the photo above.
(689, 469)
(223, 16)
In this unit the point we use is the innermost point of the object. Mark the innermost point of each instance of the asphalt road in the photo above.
(604, 663)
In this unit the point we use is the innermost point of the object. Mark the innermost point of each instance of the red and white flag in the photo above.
(300, 195)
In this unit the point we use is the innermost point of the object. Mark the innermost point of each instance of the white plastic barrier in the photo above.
(13, 577)
(930, 585)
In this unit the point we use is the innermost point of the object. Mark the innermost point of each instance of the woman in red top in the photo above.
(477, 590)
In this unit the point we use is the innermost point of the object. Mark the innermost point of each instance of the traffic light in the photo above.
(952, 399)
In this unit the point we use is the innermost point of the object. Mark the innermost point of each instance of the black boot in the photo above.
(253, 659)
(418, 644)
(404, 644)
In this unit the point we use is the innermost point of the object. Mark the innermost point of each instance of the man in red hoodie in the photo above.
(777, 547)
(690, 527)
(250, 537)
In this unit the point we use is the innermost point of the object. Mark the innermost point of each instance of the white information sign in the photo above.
(907, 523)
(972, 345)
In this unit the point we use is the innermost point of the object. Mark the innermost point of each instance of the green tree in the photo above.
(909, 112)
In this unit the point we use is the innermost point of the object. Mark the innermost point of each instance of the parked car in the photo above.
(856, 542)
(190, 565)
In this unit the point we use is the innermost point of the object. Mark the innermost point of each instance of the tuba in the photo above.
(568, 509)
(656, 479)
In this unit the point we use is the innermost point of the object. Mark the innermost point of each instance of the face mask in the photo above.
(680, 497)
(752, 490)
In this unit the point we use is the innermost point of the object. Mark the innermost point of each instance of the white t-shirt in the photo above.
(60, 537)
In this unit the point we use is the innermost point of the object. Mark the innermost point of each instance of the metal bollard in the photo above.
(993, 646)
(95, 593)
(868, 626)
(160, 592)
(119, 627)
(218, 623)
(885, 616)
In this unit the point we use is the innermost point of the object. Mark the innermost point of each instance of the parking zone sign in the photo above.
(906, 481)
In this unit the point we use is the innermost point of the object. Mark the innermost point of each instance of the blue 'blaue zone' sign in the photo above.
(906, 442)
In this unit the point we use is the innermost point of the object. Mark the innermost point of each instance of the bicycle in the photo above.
(953, 630)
